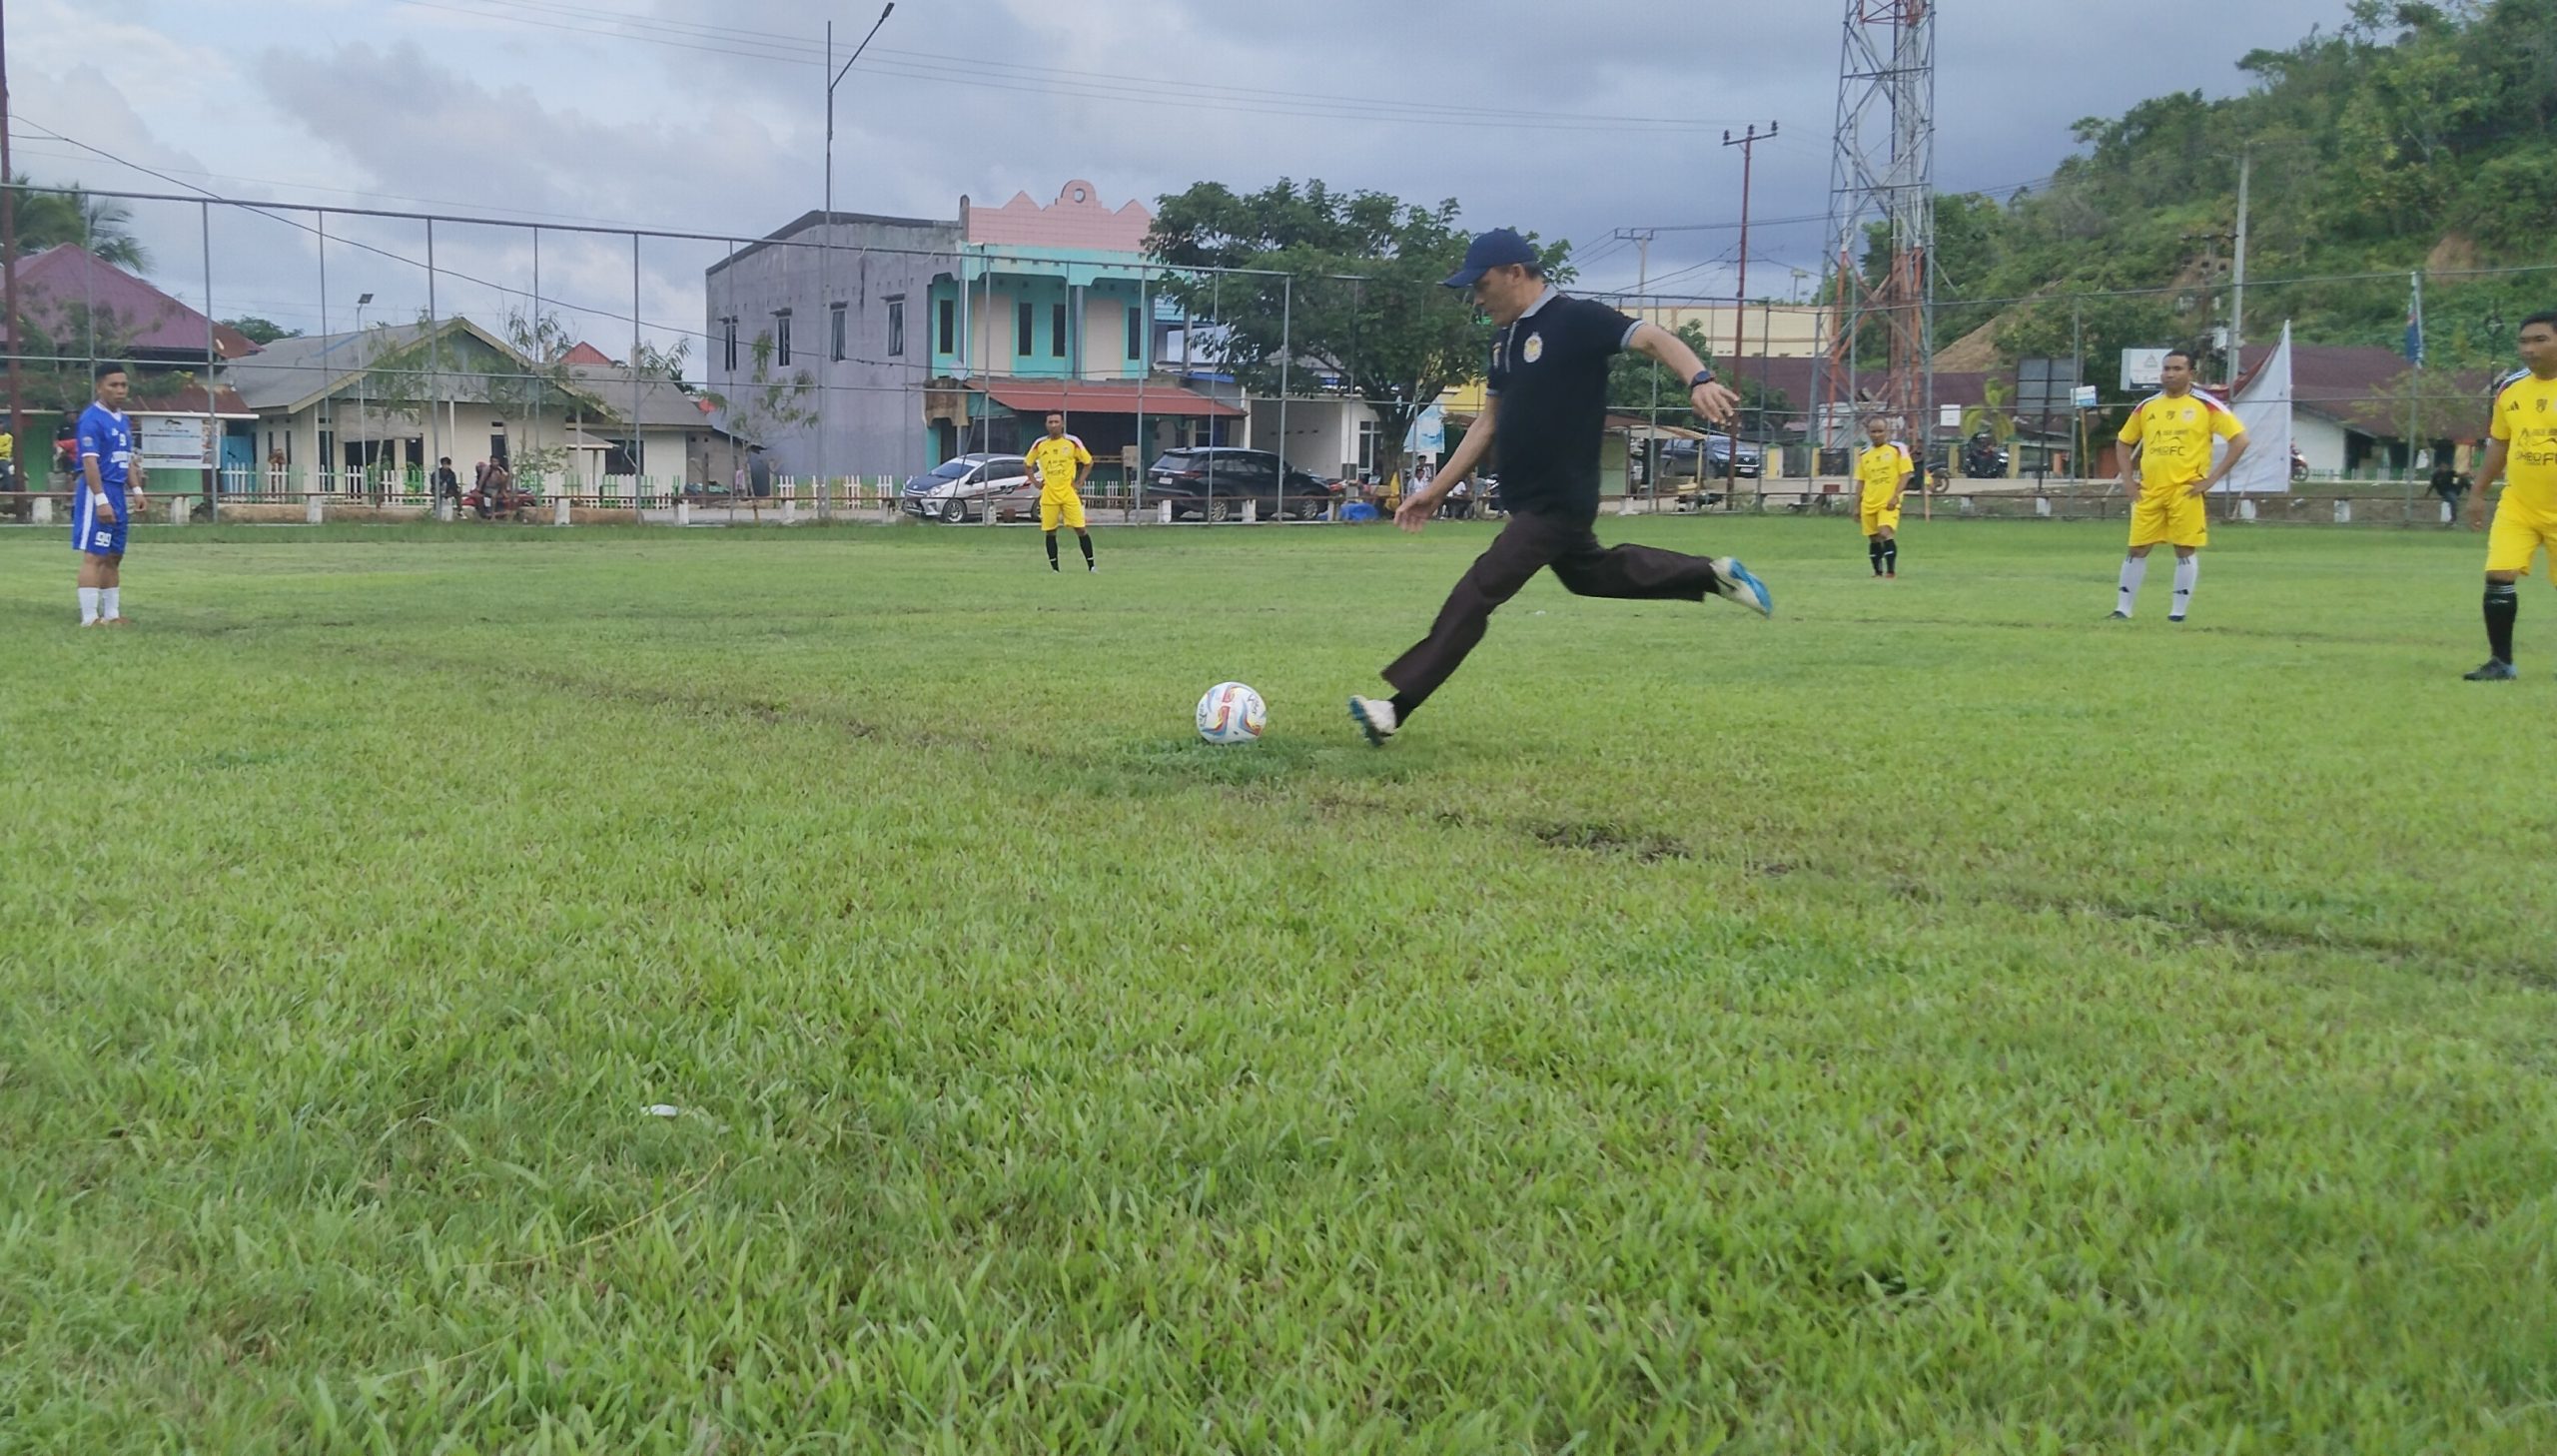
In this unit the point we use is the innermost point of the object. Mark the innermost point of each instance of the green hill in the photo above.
(2416, 136)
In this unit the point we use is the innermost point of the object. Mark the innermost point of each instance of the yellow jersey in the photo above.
(1055, 463)
(2526, 422)
(1879, 470)
(2176, 435)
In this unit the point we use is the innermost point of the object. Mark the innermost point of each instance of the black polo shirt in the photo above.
(1549, 374)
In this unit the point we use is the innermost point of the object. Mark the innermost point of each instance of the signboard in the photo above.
(2084, 396)
(2043, 387)
(1949, 416)
(2141, 369)
(173, 441)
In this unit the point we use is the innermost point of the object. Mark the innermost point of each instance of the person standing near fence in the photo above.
(104, 500)
(1060, 465)
(2522, 449)
(1548, 404)
(2167, 472)
(1882, 478)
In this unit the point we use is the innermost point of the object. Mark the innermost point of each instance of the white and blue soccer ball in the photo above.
(1231, 713)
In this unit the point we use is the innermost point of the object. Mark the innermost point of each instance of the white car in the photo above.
(956, 489)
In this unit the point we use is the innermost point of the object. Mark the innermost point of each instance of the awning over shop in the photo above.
(1106, 396)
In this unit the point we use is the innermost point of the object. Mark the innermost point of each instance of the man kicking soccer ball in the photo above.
(1062, 466)
(1882, 478)
(1549, 404)
(104, 500)
(2522, 447)
(2170, 477)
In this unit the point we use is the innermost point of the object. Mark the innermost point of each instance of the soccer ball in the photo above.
(1231, 713)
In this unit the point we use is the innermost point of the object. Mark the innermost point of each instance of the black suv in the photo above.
(1210, 482)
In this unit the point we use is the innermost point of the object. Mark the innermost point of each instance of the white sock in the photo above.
(108, 607)
(2187, 572)
(2133, 569)
(87, 605)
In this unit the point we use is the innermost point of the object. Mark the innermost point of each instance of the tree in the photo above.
(50, 217)
(260, 330)
(1351, 280)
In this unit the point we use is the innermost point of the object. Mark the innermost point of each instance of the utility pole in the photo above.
(1748, 146)
(825, 232)
(1641, 238)
(9, 265)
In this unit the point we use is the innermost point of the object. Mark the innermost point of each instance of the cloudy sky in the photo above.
(707, 117)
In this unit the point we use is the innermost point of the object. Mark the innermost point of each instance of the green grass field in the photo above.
(1932, 1022)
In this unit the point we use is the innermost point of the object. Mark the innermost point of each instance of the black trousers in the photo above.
(1530, 544)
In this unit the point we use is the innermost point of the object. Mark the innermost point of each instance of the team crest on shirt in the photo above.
(1534, 349)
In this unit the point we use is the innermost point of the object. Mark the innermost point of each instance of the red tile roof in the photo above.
(585, 353)
(65, 278)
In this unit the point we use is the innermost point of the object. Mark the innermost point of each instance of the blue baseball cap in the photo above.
(1499, 248)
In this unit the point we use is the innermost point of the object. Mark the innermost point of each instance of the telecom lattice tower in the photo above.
(1883, 178)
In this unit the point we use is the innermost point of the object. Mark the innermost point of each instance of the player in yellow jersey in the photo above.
(1882, 478)
(2169, 479)
(2521, 447)
(1061, 464)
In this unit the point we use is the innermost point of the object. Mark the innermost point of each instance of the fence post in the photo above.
(314, 508)
(1163, 512)
(559, 510)
(2344, 511)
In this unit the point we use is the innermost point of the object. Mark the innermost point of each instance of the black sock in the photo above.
(1891, 555)
(2503, 603)
(1052, 550)
(1872, 551)
(1086, 538)
(1404, 707)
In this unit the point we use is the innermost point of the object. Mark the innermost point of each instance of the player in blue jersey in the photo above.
(105, 497)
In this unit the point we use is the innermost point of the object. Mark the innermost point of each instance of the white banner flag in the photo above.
(2263, 406)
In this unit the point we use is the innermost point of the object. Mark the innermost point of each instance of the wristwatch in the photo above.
(1703, 377)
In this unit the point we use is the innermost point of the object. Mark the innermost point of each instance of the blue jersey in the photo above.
(109, 436)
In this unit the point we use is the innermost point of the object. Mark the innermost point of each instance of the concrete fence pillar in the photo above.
(2042, 505)
(2245, 510)
(1250, 513)
(178, 507)
(42, 511)
(559, 510)
(683, 512)
(1163, 512)
(314, 508)
(2343, 513)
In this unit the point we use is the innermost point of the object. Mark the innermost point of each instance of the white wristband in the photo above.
(97, 497)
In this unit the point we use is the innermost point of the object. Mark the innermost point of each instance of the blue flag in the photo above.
(2415, 321)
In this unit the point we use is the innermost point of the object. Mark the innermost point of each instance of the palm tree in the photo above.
(50, 216)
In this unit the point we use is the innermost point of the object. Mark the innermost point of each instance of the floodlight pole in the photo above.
(826, 254)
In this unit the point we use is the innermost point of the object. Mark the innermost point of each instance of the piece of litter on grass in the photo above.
(662, 1111)
(1540, 614)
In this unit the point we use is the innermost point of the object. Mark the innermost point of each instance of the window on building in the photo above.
(781, 337)
(1135, 334)
(949, 325)
(1057, 332)
(728, 342)
(1028, 329)
(834, 332)
(896, 328)
(1368, 442)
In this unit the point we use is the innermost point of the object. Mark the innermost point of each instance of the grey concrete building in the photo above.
(819, 346)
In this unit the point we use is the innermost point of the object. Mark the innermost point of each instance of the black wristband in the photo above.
(1703, 377)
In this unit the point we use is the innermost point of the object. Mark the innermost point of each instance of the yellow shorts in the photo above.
(1059, 507)
(2519, 533)
(1873, 519)
(2182, 519)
